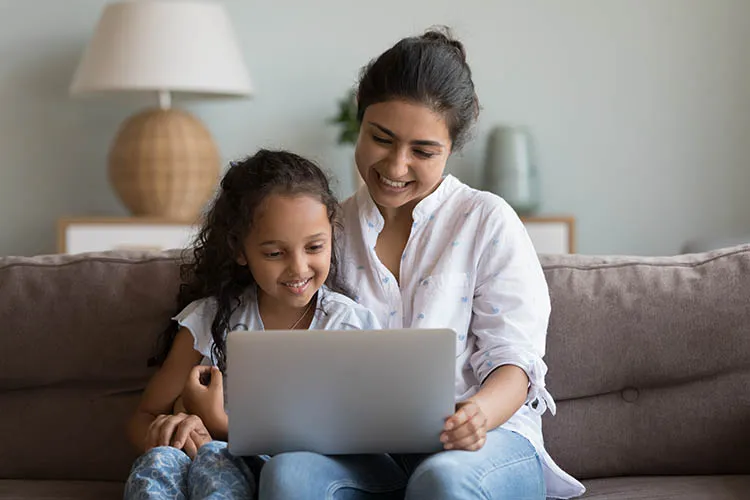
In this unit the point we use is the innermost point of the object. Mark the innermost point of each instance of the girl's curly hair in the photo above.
(213, 270)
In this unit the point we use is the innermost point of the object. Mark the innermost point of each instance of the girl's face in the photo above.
(401, 152)
(288, 249)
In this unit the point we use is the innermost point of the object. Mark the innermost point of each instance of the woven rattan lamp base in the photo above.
(164, 163)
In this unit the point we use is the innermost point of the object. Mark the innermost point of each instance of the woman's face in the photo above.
(401, 152)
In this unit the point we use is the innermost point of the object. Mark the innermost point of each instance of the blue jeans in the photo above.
(507, 467)
(168, 473)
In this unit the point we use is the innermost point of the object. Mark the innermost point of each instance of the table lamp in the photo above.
(163, 162)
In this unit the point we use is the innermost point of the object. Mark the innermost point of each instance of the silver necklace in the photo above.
(304, 313)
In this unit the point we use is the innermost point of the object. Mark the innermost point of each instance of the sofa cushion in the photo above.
(669, 488)
(649, 361)
(102, 311)
(59, 490)
(75, 335)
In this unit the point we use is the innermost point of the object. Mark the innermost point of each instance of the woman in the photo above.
(427, 251)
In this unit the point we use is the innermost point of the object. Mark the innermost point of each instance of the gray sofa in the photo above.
(649, 362)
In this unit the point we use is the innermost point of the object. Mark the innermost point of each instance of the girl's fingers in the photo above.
(183, 430)
(190, 448)
(152, 435)
(168, 427)
(200, 437)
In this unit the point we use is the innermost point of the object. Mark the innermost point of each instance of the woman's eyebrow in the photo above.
(418, 142)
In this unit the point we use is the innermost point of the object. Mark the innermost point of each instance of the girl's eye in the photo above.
(273, 255)
(381, 140)
(316, 248)
(423, 154)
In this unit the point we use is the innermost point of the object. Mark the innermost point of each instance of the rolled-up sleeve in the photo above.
(511, 305)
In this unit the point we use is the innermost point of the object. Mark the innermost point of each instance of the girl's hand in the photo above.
(181, 431)
(205, 401)
(466, 429)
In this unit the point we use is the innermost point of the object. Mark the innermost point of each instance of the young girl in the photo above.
(425, 250)
(264, 259)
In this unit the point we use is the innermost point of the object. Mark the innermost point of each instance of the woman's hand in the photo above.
(181, 431)
(466, 429)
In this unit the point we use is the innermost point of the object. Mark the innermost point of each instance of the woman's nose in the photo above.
(398, 164)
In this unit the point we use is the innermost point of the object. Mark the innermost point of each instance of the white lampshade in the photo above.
(163, 46)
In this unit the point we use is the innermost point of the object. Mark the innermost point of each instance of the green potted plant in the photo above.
(346, 118)
(348, 124)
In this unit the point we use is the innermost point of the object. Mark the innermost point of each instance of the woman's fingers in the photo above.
(468, 442)
(472, 443)
(466, 429)
(465, 412)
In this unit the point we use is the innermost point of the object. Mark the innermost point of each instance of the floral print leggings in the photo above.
(168, 473)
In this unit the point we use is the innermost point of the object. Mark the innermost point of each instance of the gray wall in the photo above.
(640, 108)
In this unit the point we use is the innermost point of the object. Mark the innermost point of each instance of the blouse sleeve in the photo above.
(197, 317)
(511, 305)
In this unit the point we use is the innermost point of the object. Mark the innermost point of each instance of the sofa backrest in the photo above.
(649, 361)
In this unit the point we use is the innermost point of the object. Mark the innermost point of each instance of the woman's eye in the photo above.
(423, 154)
(381, 140)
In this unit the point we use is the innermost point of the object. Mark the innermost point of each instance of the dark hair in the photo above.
(213, 270)
(431, 70)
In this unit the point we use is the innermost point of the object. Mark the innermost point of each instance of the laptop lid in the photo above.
(339, 392)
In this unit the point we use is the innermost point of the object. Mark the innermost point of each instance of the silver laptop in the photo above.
(339, 392)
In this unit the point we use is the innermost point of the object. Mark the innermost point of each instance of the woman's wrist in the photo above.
(502, 394)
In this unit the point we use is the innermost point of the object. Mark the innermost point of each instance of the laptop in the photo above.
(339, 392)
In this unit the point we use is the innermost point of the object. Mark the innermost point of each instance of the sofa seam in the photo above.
(744, 369)
(113, 260)
(596, 267)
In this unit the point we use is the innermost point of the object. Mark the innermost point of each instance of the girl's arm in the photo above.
(163, 388)
(207, 401)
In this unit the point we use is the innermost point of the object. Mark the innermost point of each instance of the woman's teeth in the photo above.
(391, 183)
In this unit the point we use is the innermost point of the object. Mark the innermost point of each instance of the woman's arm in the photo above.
(162, 391)
(510, 312)
(502, 394)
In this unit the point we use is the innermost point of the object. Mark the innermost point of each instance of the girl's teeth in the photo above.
(297, 284)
